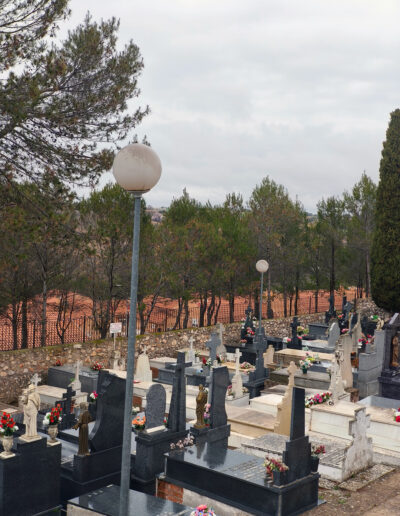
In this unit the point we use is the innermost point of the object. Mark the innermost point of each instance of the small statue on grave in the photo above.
(394, 352)
(31, 405)
(83, 425)
(201, 402)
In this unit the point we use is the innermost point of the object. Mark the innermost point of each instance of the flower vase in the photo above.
(304, 369)
(7, 442)
(52, 432)
(279, 478)
(314, 463)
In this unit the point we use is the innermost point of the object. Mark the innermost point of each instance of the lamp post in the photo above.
(136, 168)
(261, 266)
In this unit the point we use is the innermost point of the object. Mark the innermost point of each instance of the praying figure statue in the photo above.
(31, 405)
(201, 402)
(394, 352)
(83, 425)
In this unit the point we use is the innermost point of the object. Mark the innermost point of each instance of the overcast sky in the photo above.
(299, 91)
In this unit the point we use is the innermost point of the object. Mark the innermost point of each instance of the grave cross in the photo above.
(212, 345)
(35, 379)
(191, 353)
(294, 325)
(248, 311)
(358, 427)
(238, 354)
(292, 369)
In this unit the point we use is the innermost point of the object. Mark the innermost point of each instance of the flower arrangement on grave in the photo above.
(272, 464)
(305, 364)
(219, 359)
(207, 415)
(207, 362)
(183, 443)
(54, 416)
(246, 366)
(7, 425)
(58, 363)
(93, 396)
(135, 410)
(203, 510)
(286, 340)
(249, 332)
(317, 450)
(344, 330)
(374, 317)
(230, 392)
(139, 423)
(165, 420)
(96, 366)
(197, 354)
(317, 399)
(396, 415)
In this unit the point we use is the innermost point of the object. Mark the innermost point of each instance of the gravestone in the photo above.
(30, 479)
(345, 346)
(155, 406)
(295, 342)
(283, 419)
(237, 382)
(336, 386)
(359, 454)
(248, 324)
(103, 465)
(370, 366)
(107, 431)
(177, 409)
(334, 334)
(389, 380)
(212, 345)
(269, 356)
(191, 352)
(76, 383)
(143, 371)
(221, 348)
(152, 445)
(68, 417)
(255, 384)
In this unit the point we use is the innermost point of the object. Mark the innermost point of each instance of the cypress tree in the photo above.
(385, 254)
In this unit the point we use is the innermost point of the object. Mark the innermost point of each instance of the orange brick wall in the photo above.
(169, 491)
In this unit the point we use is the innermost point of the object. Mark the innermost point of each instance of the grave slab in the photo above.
(105, 501)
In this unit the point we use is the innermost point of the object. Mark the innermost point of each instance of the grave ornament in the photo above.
(237, 383)
(212, 345)
(31, 405)
(201, 402)
(83, 425)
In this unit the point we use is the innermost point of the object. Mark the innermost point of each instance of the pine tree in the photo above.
(385, 255)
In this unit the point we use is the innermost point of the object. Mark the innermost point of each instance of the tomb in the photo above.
(389, 380)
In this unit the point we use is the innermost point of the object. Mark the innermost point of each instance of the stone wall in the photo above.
(17, 367)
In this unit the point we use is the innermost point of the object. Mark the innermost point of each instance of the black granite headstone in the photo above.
(297, 422)
(107, 432)
(68, 418)
(219, 385)
(295, 342)
(177, 409)
(212, 345)
(331, 312)
(155, 406)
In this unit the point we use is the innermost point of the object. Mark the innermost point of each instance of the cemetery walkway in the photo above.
(379, 498)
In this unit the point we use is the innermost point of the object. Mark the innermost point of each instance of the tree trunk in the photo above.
(177, 324)
(270, 314)
(24, 328)
(284, 303)
(210, 309)
(14, 324)
(231, 298)
(217, 310)
(332, 276)
(296, 297)
(44, 315)
(186, 316)
(368, 274)
(203, 308)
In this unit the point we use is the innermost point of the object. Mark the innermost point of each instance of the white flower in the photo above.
(2, 430)
(15, 428)
(45, 421)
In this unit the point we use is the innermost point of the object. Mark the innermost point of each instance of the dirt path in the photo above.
(380, 498)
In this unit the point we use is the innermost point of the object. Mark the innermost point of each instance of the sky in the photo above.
(298, 91)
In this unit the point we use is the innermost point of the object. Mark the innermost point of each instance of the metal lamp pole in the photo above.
(137, 168)
(127, 432)
(261, 266)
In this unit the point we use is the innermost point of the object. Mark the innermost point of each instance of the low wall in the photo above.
(17, 367)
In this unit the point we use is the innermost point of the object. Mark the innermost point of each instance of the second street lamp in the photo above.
(261, 266)
(136, 168)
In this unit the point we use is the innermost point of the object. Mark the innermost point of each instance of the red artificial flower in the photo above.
(397, 419)
(204, 361)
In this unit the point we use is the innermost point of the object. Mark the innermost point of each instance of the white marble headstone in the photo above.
(143, 371)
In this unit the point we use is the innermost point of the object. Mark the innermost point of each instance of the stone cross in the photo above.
(191, 353)
(336, 386)
(248, 312)
(238, 354)
(68, 417)
(359, 455)
(35, 379)
(294, 325)
(292, 369)
(212, 345)
(144, 350)
(269, 356)
(76, 384)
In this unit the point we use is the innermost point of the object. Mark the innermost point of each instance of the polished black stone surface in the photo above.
(106, 501)
(61, 377)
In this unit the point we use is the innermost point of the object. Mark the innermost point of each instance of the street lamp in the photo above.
(261, 266)
(136, 168)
